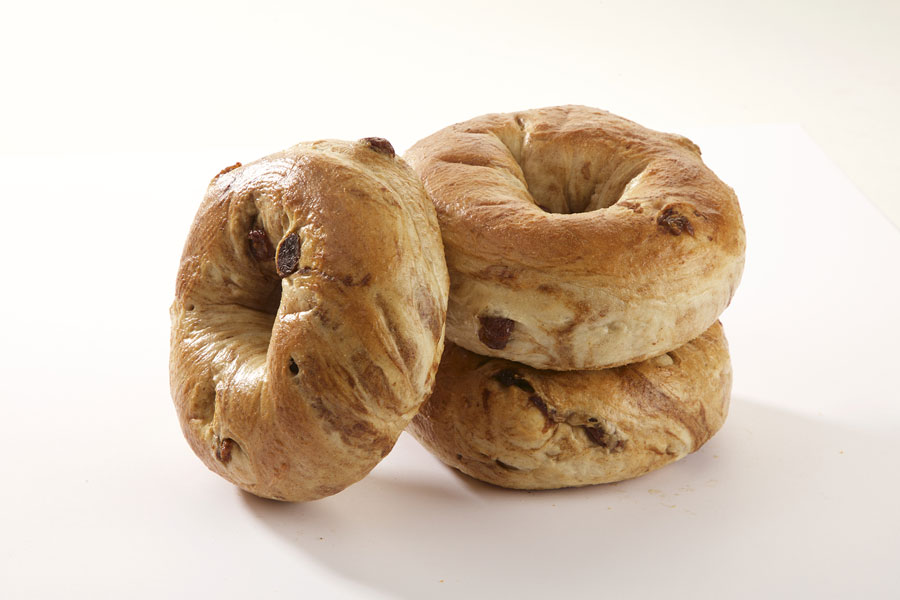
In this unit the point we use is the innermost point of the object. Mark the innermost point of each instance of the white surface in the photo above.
(795, 497)
(186, 74)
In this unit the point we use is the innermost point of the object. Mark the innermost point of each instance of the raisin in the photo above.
(259, 245)
(673, 222)
(380, 145)
(508, 377)
(288, 256)
(223, 450)
(494, 332)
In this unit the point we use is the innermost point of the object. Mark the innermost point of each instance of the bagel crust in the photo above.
(518, 427)
(308, 319)
(576, 239)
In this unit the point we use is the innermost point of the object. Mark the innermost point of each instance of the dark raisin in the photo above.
(380, 145)
(547, 411)
(601, 437)
(223, 451)
(494, 332)
(673, 222)
(597, 435)
(292, 366)
(260, 247)
(288, 256)
(508, 378)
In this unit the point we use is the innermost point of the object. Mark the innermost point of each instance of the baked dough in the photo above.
(577, 239)
(309, 316)
(518, 427)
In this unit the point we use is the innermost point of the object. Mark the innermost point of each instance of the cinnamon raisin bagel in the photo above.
(576, 239)
(518, 427)
(308, 317)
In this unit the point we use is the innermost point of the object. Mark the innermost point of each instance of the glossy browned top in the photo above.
(488, 175)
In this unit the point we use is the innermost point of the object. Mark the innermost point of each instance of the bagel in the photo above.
(308, 317)
(517, 427)
(576, 239)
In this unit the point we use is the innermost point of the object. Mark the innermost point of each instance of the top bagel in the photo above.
(308, 317)
(576, 239)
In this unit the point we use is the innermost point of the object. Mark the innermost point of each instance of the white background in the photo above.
(114, 118)
(187, 75)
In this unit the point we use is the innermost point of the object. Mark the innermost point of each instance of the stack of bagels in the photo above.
(576, 261)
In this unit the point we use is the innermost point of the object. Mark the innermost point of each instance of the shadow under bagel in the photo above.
(414, 522)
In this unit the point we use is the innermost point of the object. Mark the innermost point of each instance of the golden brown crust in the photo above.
(518, 427)
(601, 241)
(308, 319)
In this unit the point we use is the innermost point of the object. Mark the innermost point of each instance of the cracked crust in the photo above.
(294, 370)
(597, 242)
(518, 427)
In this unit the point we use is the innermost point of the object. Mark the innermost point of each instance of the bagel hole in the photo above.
(562, 183)
(264, 294)
(584, 187)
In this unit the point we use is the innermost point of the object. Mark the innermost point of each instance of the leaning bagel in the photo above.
(577, 239)
(518, 427)
(308, 319)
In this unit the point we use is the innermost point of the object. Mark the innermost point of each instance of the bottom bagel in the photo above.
(517, 427)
